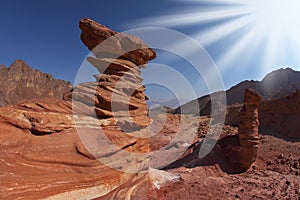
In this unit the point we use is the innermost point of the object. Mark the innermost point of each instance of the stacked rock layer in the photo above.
(118, 92)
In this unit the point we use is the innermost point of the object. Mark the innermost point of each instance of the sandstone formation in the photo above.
(241, 150)
(118, 92)
(20, 82)
(42, 155)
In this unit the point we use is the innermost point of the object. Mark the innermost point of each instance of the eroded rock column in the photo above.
(248, 128)
(118, 92)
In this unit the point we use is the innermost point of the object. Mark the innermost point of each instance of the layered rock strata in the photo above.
(118, 92)
(57, 161)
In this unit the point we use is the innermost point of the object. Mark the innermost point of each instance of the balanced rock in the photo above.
(118, 92)
(114, 44)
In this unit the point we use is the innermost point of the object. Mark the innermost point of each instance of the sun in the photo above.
(263, 33)
(275, 15)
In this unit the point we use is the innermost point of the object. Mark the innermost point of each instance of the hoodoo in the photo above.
(248, 128)
(118, 92)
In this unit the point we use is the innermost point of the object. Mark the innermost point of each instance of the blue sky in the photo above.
(243, 40)
(46, 35)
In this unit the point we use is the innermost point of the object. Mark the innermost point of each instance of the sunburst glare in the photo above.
(263, 33)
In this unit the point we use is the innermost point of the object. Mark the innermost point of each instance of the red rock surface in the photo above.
(43, 152)
(57, 163)
(20, 82)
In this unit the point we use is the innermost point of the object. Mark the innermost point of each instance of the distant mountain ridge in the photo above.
(171, 103)
(20, 82)
(276, 84)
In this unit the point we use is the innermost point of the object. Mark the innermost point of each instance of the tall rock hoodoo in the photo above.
(118, 92)
(248, 128)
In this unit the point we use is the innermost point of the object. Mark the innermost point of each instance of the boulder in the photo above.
(119, 45)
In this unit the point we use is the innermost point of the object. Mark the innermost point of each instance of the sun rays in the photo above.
(263, 33)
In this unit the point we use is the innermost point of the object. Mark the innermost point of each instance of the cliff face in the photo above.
(20, 82)
(280, 117)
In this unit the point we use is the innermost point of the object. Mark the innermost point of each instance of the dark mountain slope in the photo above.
(20, 82)
(276, 84)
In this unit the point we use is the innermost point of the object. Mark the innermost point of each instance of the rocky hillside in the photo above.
(20, 82)
(276, 84)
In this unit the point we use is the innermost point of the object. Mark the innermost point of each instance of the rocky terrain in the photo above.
(85, 147)
(20, 82)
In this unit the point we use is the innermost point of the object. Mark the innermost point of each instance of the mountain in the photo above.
(20, 82)
(171, 103)
(276, 84)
